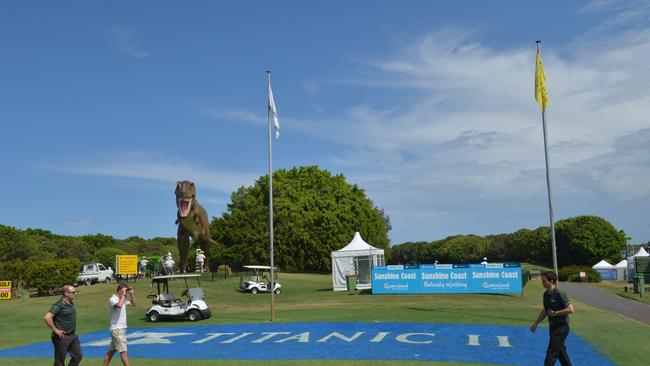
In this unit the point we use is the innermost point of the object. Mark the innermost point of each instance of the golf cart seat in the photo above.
(169, 300)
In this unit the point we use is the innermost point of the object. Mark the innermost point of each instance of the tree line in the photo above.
(40, 259)
(581, 240)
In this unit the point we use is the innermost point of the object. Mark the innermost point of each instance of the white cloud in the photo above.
(466, 131)
(123, 41)
(159, 169)
(221, 113)
(476, 107)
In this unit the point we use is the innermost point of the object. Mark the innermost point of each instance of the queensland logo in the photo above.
(496, 286)
(396, 287)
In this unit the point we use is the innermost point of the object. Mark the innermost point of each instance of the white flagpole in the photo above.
(548, 186)
(271, 201)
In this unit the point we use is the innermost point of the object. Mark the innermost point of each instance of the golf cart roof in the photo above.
(259, 267)
(169, 277)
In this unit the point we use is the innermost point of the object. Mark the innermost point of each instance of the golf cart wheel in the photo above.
(153, 316)
(107, 280)
(254, 290)
(193, 315)
(278, 290)
(87, 282)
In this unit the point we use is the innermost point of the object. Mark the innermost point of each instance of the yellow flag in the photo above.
(541, 95)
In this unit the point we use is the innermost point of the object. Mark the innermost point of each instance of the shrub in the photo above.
(50, 274)
(572, 274)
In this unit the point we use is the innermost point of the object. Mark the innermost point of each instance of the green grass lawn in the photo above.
(308, 298)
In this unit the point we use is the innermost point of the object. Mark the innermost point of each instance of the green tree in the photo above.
(420, 252)
(499, 249)
(40, 233)
(98, 241)
(63, 247)
(155, 246)
(463, 249)
(585, 240)
(13, 271)
(106, 256)
(15, 245)
(314, 214)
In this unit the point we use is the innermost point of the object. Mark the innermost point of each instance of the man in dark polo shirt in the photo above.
(62, 320)
(557, 307)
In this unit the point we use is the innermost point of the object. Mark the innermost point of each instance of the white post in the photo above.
(268, 115)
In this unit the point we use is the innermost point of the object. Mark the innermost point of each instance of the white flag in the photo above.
(274, 113)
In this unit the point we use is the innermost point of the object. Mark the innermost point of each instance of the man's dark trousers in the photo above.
(69, 343)
(556, 349)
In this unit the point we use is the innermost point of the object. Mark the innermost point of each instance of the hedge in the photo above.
(50, 274)
(572, 274)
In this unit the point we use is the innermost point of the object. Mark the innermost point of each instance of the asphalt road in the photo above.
(602, 299)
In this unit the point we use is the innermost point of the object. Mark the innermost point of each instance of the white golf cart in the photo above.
(259, 280)
(167, 307)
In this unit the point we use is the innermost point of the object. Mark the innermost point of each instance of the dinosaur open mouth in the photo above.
(184, 206)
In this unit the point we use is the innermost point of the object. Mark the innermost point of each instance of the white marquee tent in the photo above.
(355, 258)
(606, 270)
(621, 268)
(630, 263)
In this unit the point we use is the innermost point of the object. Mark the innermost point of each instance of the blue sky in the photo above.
(426, 105)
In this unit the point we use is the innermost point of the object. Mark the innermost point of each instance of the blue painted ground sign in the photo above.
(494, 278)
(491, 344)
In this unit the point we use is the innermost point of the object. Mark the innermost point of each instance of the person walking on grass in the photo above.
(62, 320)
(117, 306)
(557, 308)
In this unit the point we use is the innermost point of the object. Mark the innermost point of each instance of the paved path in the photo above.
(605, 300)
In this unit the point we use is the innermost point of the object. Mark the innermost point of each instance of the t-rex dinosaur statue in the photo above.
(192, 220)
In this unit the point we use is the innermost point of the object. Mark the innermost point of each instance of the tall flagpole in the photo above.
(268, 115)
(548, 185)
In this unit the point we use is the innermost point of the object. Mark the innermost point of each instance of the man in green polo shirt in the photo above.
(557, 307)
(62, 320)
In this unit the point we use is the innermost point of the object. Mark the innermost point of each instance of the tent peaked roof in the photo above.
(621, 264)
(357, 243)
(642, 253)
(602, 265)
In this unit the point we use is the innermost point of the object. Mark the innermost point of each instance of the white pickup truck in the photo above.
(93, 273)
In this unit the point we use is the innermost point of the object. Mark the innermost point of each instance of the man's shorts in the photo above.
(118, 340)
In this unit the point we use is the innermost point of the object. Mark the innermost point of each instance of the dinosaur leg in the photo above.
(205, 247)
(205, 235)
(183, 246)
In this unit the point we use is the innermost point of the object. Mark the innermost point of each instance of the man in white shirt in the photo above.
(143, 266)
(200, 258)
(169, 265)
(117, 306)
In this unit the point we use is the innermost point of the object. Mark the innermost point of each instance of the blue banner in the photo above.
(447, 279)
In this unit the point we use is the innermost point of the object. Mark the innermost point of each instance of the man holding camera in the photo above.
(117, 306)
